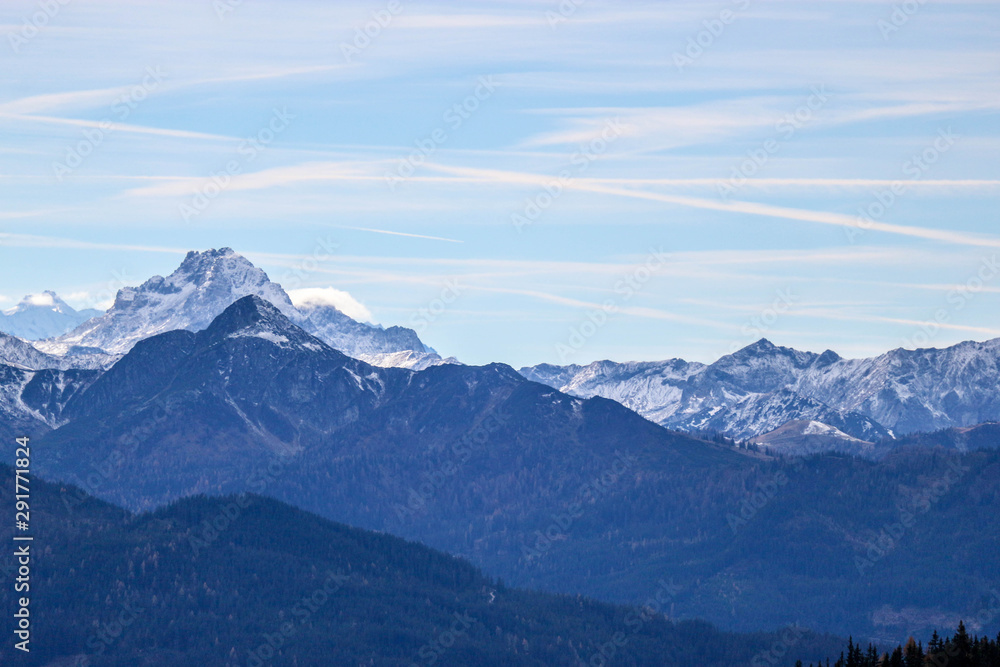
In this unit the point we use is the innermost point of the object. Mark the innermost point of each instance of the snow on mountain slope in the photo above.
(741, 395)
(764, 386)
(205, 284)
(915, 390)
(42, 315)
(804, 436)
(355, 338)
(189, 298)
(760, 413)
(22, 354)
(410, 359)
(654, 389)
(32, 402)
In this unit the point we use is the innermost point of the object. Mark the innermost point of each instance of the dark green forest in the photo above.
(246, 580)
(959, 650)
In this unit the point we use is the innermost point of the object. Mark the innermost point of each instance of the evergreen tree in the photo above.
(935, 645)
(913, 654)
(961, 652)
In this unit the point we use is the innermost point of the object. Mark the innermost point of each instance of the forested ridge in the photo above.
(958, 650)
(247, 580)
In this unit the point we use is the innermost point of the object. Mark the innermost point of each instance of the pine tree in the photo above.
(935, 645)
(961, 648)
(913, 654)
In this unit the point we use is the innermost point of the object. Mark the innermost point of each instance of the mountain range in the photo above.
(543, 489)
(546, 489)
(246, 580)
(859, 404)
(763, 387)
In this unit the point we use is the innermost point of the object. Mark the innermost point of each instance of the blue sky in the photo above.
(523, 181)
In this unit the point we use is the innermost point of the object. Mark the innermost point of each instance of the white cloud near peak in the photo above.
(328, 296)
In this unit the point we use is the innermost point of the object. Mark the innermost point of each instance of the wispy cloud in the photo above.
(117, 127)
(391, 233)
(636, 311)
(743, 207)
(950, 326)
(34, 241)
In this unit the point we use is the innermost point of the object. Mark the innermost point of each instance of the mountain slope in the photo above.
(189, 298)
(42, 315)
(962, 439)
(915, 390)
(763, 386)
(243, 389)
(17, 352)
(33, 402)
(254, 385)
(544, 489)
(803, 436)
(22, 354)
(245, 580)
(202, 287)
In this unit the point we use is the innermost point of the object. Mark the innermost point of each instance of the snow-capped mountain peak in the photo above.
(189, 298)
(763, 386)
(206, 284)
(42, 315)
(48, 300)
(253, 317)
